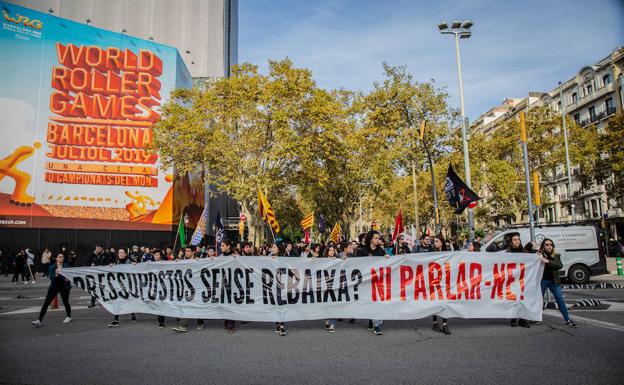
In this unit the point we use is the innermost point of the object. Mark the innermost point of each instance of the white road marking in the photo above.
(589, 321)
(37, 309)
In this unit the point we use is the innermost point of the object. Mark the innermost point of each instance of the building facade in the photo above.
(590, 97)
(205, 32)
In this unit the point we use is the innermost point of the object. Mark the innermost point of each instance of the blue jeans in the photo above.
(556, 290)
(378, 323)
(332, 322)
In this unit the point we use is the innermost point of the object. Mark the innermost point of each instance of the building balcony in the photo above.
(583, 100)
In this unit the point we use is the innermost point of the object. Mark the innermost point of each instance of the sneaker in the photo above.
(436, 327)
(282, 331)
(36, 323)
(331, 329)
(90, 306)
(200, 326)
(179, 329)
(67, 320)
(33, 282)
(161, 325)
(370, 325)
(277, 329)
(327, 325)
(445, 329)
(514, 323)
(133, 319)
(571, 324)
(377, 330)
(113, 324)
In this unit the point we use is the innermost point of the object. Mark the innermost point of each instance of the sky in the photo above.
(516, 46)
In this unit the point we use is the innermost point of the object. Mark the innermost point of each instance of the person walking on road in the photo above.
(550, 278)
(58, 284)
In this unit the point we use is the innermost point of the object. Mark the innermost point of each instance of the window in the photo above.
(501, 242)
(590, 89)
(609, 106)
(574, 97)
(592, 113)
(606, 80)
(594, 208)
(559, 105)
(577, 118)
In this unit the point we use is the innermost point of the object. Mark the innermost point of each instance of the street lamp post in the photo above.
(461, 30)
(567, 154)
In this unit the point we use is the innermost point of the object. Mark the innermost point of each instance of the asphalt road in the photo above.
(85, 351)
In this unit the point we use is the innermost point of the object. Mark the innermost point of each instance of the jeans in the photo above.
(378, 323)
(556, 290)
(332, 322)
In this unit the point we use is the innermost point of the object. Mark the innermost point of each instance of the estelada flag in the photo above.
(398, 226)
(458, 193)
(308, 221)
(335, 233)
(266, 212)
(200, 230)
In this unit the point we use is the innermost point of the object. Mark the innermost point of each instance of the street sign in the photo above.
(242, 217)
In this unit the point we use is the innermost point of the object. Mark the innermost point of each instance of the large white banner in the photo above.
(456, 284)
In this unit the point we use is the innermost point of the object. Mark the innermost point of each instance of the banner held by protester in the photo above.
(450, 284)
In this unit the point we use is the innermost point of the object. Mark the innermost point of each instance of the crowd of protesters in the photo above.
(25, 264)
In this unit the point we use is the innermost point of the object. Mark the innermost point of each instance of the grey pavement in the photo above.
(479, 351)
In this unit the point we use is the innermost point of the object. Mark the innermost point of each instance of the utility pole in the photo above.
(525, 154)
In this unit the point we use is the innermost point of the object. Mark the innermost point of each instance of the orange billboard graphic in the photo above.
(87, 100)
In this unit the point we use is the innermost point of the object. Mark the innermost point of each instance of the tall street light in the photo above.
(461, 30)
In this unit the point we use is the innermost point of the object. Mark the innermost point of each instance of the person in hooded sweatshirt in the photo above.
(515, 246)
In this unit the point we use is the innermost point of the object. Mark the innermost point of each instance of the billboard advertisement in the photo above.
(77, 107)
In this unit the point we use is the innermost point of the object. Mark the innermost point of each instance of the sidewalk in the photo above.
(614, 278)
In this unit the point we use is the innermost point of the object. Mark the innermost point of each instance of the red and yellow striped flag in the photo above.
(308, 221)
(266, 212)
(335, 233)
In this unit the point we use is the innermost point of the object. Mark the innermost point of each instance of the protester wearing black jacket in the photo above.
(226, 250)
(99, 257)
(373, 247)
(515, 246)
(440, 245)
(122, 259)
(58, 284)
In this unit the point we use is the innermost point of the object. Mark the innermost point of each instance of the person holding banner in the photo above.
(515, 246)
(158, 257)
(550, 278)
(248, 249)
(122, 258)
(58, 284)
(440, 245)
(277, 251)
(331, 253)
(182, 326)
(226, 250)
(373, 247)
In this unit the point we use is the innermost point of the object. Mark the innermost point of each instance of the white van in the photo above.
(581, 251)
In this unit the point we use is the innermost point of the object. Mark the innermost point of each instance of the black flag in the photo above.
(458, 194)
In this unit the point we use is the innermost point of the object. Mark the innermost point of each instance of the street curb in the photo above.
(588, 303)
